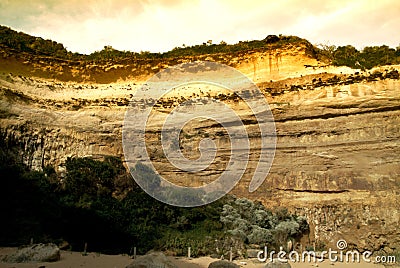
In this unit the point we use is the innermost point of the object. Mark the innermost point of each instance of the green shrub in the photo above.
(252, 223)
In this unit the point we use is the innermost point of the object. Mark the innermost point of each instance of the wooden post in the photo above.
(230, 254)
(189, 252)
(85, 249)
(31, 241)
(134, 252)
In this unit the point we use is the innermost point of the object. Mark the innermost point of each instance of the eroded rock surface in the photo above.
(337, 159)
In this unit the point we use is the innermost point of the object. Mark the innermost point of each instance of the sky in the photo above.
(160, 25)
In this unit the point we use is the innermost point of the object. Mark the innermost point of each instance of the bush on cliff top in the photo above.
(340, 56)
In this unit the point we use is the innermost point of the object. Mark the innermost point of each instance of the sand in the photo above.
(76, 259)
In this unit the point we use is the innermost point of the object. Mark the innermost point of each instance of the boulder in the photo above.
(152, 260)
(252, 253)
(277, 264)
(35, 253)
(223, 264)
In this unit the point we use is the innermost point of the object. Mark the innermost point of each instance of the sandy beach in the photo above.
(76, 259)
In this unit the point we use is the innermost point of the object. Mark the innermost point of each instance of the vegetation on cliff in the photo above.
(81, 207)
(26, 43)
(38, 46)
(367, 58)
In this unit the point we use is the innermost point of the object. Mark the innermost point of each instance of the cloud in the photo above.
(160, 25)
(366, 23)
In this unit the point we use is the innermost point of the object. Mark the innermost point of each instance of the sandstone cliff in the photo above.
(338, 131)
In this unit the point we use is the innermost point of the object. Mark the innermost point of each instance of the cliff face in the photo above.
(338, 132)
(337, 162)
(260, 65)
